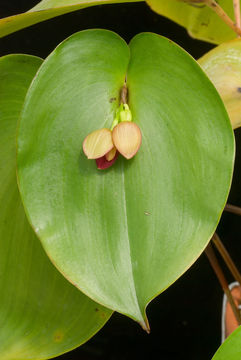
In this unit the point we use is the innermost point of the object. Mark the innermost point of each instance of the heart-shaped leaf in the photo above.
(41, 314)
(230, 349)
(200, 20)
(125, 234)
(223, 67)
(48, 9)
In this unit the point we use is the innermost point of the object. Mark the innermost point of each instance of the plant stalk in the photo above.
(236, 6)
(233, 209)
(123, 94)
(226, 257)
(223, 15)
(223, 282)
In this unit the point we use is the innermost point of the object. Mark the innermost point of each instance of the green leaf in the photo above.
(230, 349)
(201, 22)
(223, 67)
(41, 314)
(125, 234)
(48, 9)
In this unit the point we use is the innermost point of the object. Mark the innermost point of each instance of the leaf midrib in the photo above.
(140, 316)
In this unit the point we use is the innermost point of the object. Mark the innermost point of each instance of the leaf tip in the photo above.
(145, 325)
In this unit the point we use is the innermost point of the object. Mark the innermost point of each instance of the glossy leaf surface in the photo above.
(231, 348)
(200, 21)
(48, 9)
(41, 313)
(124, 234)
(223, 67)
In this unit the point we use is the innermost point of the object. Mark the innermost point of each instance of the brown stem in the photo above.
(223, 15)
(233, 209)
(226, 257)
(220, 275)
(236, 6)
(123, 95)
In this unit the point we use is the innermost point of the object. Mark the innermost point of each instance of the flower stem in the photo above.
(226, 257)
(223, 15)
(233, 209)
(123, 94)
(236, 6)
(223, 282)
(114, 123)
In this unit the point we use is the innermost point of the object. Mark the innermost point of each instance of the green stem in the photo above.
(123, 112)
(114, 123)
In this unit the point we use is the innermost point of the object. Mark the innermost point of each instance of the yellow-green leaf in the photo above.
(200, 20)
(41, 313)
(48, 9)
(124, 235)
(223, 67)
(230, 349)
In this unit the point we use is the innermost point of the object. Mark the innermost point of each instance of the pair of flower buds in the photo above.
(124, 137)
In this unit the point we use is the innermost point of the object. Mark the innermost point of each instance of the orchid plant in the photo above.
(162, 124)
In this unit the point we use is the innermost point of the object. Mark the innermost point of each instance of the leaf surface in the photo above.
(223, 67)
(201, 22)
(48, 9)
(123, 235)
(41, 314)
(230, 349)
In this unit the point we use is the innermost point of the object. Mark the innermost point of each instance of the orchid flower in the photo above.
(124, 137)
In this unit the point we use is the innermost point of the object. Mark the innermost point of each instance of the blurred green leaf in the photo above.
(223, 67)
(200, 21)
(41, 314)
(230, 349)
(48, 9)
(125, 234)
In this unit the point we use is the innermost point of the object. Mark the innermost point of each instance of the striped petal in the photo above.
(98, 143)
(127, 138)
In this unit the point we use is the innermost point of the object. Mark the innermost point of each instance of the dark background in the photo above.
(185, 320)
